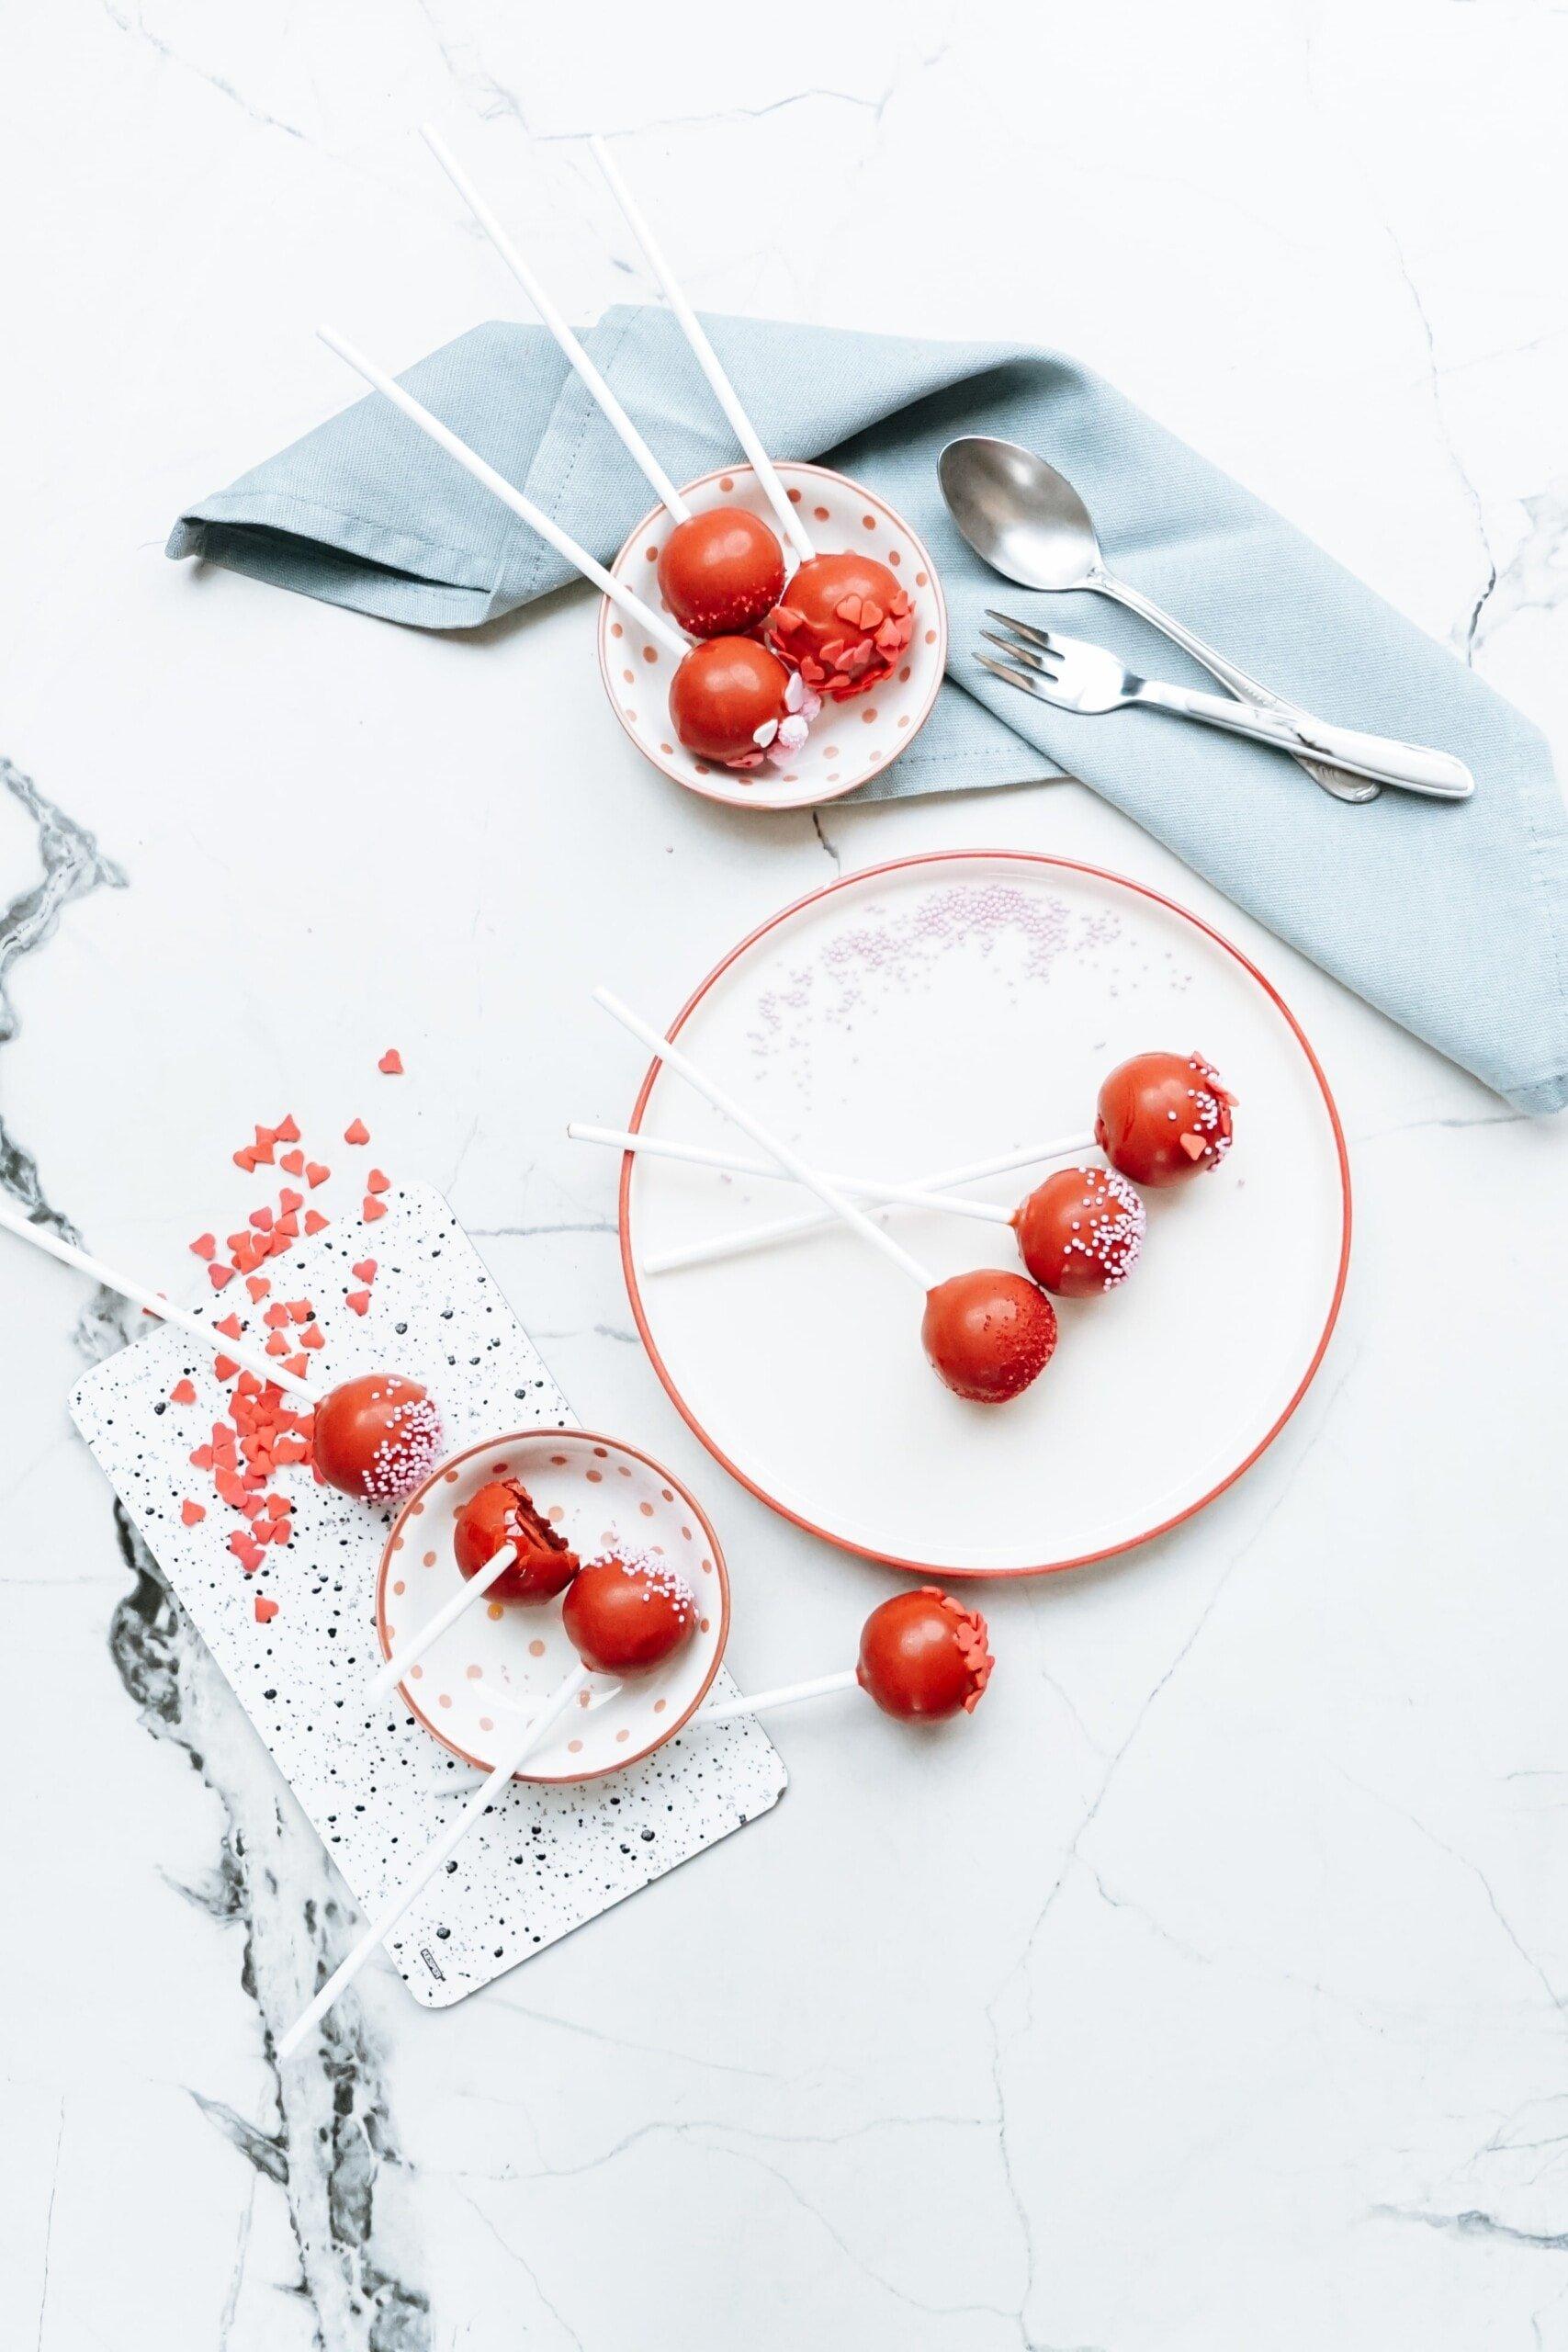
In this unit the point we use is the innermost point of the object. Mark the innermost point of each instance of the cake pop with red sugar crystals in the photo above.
(1164, 1117)
(626, 1615)
(1081, 1231)
(504, 1512)
(733, 702)
(844, 623)
(721, 571)
(376, 1437)
(923, 1653)
(988, 1334)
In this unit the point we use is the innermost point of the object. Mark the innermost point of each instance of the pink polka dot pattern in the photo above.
(607, 1501)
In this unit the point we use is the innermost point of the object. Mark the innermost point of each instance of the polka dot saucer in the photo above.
(602, 1496)
(849, 741)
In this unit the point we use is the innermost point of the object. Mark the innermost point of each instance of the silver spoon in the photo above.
(1027, 522)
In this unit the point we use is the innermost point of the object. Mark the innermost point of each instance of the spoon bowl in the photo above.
(1019, 515)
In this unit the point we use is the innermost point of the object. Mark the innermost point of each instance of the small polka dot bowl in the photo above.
(849, 741)
(497, 1658)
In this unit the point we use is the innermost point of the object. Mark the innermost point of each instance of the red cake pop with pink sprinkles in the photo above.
(377, 1437)
(1081, 1231)
(1164, 1117)
(626, 1614)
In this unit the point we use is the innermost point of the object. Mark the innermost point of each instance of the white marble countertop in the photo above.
(1219, 2003)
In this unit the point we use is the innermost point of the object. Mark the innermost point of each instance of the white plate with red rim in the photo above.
(849, 741)
(603, 1497)
(936, 1010)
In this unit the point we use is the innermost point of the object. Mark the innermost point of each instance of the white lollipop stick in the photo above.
(929, 1196)
(790, 1161)
(614, 414)
(707, 359)
(523, 508)
(253, 1359)
(490, 1787)
(392, 1671)
(788, 1694)
(785, 1228)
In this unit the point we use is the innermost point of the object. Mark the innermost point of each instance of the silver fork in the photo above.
(1072, 675)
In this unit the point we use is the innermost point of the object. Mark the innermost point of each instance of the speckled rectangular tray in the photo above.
(375, 1786)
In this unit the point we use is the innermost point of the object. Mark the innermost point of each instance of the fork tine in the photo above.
(1023, 653)
(1021, 629)
(1025, 680)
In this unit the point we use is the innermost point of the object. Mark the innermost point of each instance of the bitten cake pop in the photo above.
(1081, 1231)
(732, 701)
(721, 571)
(1164, 1117)
(988, 1334)
(625, 1616)
(923, 1653)
(502, 1514)
(844, 623)
(376, 1437)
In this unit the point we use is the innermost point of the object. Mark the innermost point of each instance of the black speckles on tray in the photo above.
(374, 1785)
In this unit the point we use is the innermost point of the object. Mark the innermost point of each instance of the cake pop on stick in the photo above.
(374, 1436)
(255, 1360)
(515, 1753)
(988, 1334)
(1163, 1118)
(706, 357)
(720, 572)
(628, 1614)
(1080, 1231)
(502, 1542)
(923, 1656)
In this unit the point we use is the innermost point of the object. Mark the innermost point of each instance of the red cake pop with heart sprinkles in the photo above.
(376, 1437)
(628, 1615)
(1164, 1117)
(923, 1653)
(1081, 1231)
(844, 623)
(988, 1334)
(721, 572)
(504, 1512)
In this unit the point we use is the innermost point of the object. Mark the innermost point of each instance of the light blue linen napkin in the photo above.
(1449, 918)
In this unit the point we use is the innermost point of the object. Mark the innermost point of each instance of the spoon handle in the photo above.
(1332, 780)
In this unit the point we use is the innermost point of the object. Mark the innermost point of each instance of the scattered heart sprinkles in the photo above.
(265, 1432)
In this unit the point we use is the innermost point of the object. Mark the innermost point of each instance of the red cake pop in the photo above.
(988, 1334)
(721, 571)
(923, 1653)
(626, 1616)
(376, 1437)
(731, 701)
(1081, 1231)
(844, 623)
(502, 1512)
(1162, 1117)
